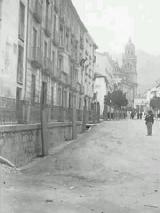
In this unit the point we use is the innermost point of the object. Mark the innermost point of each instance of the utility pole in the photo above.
(74, 121)
(44, 122)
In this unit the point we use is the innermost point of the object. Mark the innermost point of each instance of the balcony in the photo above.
(47, 66)
(37, 12)
(82, 89)
(48, 27)
(55, 38)
(36, 57)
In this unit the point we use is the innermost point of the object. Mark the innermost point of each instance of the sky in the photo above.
(112, 22)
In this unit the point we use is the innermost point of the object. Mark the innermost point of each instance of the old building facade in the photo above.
(60, 56)
(47, 55)
(47, 61)
(104, 78)
(126, 75)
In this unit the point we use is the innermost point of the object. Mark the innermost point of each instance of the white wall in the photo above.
(9, 47)
(100, 89)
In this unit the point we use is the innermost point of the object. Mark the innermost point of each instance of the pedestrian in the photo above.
(140, 115)
(149, 120)
(132, 115)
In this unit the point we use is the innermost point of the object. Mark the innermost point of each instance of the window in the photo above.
(60, 63)
(54, 25)
(59, 97)
(53, 60)
(44, 93)
(80, 103)
(45, 49)
(61, 35)
(64, 99)
(52, 95)
(33, 89)
(47, 10)
(70, 100)
(21, 20)
(34, 37)
(76, 50)
(20, 64)
(67, 39)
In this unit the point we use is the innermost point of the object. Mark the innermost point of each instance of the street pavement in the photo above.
(113, 168)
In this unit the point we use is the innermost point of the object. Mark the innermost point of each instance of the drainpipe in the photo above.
(0, 17)
(26, 50)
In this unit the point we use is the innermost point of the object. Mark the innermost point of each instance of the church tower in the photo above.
(129, 68)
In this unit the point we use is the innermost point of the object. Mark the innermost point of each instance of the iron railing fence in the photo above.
(60, 114)
(35, 115)
(10, 110)
(79, 115)
(21, 112)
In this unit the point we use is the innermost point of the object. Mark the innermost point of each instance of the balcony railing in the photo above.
(10, 111)
(36, 57)
(37, 13)
(55, 38)
(35, 114)
(13, 111)
(60, 114)
(48, 27)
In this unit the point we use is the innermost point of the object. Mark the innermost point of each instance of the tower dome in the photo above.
(130, 48)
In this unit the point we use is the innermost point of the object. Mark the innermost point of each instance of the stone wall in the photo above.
(21, 143)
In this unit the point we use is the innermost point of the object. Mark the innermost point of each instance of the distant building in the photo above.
(127, 74)
(141, 104)
(129, 69)
(104, 79)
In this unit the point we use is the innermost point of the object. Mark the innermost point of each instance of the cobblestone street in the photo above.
(112, 168)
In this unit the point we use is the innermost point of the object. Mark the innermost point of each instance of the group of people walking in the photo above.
(138, 115)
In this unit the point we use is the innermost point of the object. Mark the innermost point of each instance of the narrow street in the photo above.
(113, 168)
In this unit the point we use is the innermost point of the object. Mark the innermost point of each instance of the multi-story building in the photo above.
(46, 71)
(47, 56)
